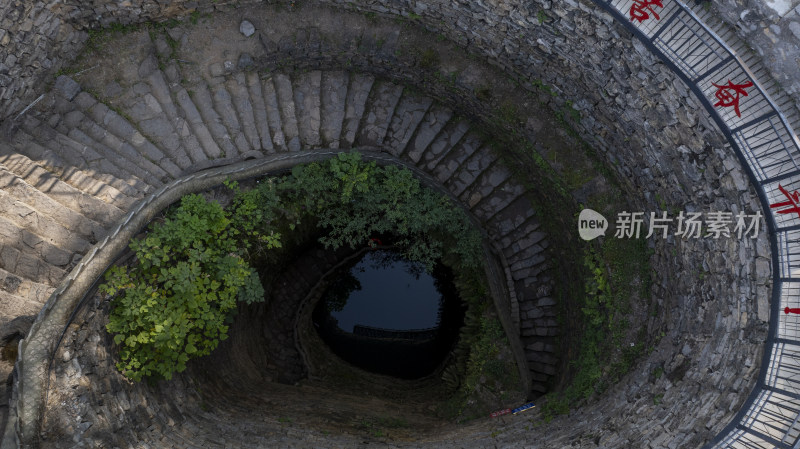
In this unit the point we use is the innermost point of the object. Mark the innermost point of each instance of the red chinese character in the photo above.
(791, 204)
(727, 98)
(641, 9)
(788, 311)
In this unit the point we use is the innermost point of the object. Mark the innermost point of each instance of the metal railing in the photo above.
(763, 140)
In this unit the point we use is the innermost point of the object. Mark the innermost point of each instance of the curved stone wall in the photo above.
(39, 38)
(649, 127)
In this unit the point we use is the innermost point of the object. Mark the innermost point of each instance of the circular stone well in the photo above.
(520, 112)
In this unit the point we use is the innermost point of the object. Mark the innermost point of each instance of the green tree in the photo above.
(356, 200)
(177, 301)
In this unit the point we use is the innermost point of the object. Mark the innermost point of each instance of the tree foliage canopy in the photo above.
(177, 299)
(355, 200)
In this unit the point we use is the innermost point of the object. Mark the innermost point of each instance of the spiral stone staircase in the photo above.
(102, 151)
(80, 161)
(76, 167)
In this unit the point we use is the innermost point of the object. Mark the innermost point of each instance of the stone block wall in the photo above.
(38, 38)
(35, 41)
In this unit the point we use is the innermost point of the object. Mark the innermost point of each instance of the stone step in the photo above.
(286, 107)
(102, 207)
(357, 94)
(540, 377)
(212, 120)
(28, 219)
(494, 199)
(463, 181)
(539, 345)
(192, 151)
(529, 263)
(270, 98)
(77, 143)
(332, 103)
(306, 88)
(90, 206)
(527, 281)
(534, 239)
(120, 153)
(380, 108)
(433, 122)
(75, 222)
(539, 387)
(196, 123)
(39, 137)
(107, 171)
(531, 318)
(23, 166)
(123, 132)
(26, 289)
(260, 115)
(99, 171)
(540, 331)
(13, 306)
(509, 219)
(146, 126)
(450, 163)
(223, 104)
(172, 72)
(409, 114)
(24, 264)
(90, 187)
(529, 226)
(541, 322)
(484, 185)
(522, 263)
(240, 98)
(32, 245)
(448, 137)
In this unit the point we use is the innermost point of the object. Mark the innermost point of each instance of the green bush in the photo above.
(176, 303)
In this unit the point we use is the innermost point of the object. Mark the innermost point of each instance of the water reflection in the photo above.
(387, 315)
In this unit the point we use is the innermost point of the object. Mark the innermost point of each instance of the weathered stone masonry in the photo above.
(649, 129)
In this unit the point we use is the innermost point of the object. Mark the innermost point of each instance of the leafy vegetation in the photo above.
(355, 201)
(177, 300)
(618, 273)
(482, 373)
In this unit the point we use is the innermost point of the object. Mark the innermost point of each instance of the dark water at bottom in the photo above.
(387, 315)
